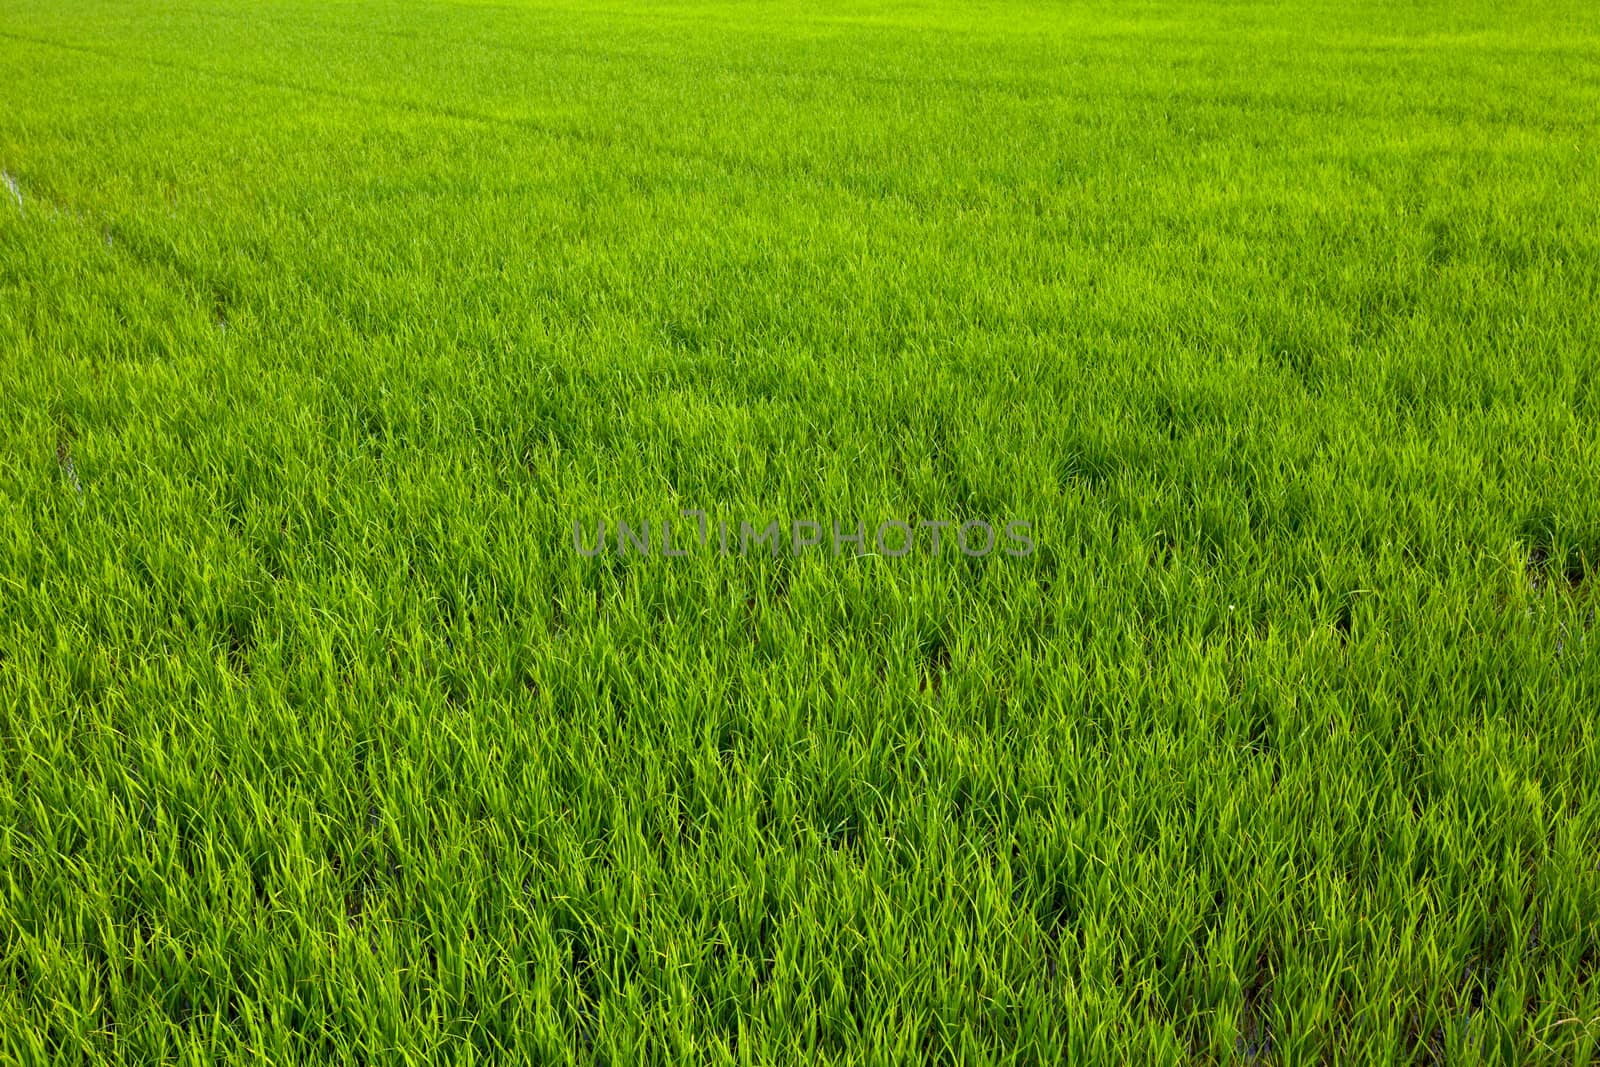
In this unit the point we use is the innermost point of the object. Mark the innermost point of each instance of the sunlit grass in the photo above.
(322, 324)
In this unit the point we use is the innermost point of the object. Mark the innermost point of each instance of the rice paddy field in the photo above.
(342, 722)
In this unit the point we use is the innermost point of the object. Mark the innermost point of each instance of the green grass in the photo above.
(321, 324)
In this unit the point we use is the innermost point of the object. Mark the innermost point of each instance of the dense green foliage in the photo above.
(321, 324)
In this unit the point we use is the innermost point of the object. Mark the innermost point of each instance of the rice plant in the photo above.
(1269, 324)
